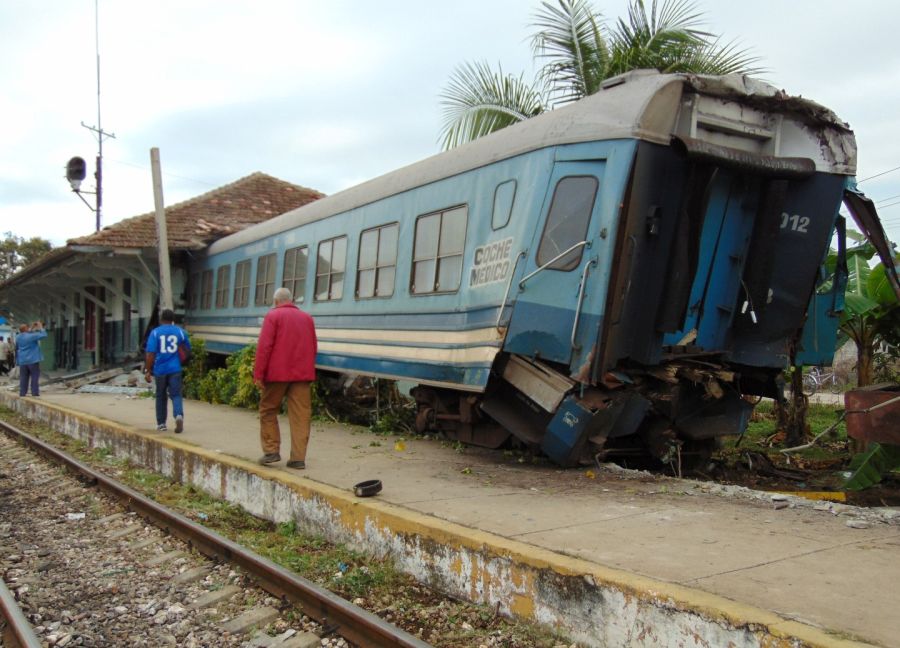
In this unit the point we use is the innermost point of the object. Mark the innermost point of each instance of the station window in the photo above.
(193, 290)
(438, 251)
(241, 284)
(377, 265)
(265, 280)
(223, 286)
(504, 196)
(330, 265)
(206, 289)
(567, 221)
(294, 275)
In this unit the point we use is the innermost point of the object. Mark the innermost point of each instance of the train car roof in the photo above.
(642, 104)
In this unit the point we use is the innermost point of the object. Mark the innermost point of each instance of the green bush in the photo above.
(231, 384)
(196, 369)
(246, 394)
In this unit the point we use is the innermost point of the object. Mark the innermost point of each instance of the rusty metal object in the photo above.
(334, 613)
(17, 632)
(873, 413)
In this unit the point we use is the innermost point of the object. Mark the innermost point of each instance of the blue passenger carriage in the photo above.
(609, 275)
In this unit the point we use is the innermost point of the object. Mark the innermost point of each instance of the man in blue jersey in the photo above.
(163, 361)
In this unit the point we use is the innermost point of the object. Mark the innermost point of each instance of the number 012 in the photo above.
(796, 222)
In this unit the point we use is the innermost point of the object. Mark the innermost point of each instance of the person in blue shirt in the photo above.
(163, 360)
(28, 357)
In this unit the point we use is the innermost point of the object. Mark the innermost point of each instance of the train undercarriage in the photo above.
(672, 413)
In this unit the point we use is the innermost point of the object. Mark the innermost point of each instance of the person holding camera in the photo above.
(29, 356)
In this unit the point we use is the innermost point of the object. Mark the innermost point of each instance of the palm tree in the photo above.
(871, 314)
(581, 51)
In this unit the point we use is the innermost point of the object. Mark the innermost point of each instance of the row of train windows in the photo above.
(437, 253)
(436, 267)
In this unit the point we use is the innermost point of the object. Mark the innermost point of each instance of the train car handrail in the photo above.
(512, 275)
(552, 261)
(584, 274)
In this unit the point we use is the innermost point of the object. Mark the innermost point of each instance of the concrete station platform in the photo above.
(613, 558)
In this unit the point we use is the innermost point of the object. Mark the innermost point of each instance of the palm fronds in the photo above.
(479, 101)
(571, 38)
(579, 52)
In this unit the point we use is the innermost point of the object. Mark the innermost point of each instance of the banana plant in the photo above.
(871, 309)
(869, 467)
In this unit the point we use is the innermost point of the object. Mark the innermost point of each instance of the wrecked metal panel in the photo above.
(877, 425)
(756, 163)
(539, 382)
(780, 301)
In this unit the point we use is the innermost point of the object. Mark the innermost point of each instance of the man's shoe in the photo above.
(161, 427)
(270, 458)
(299, 465)
(179, 424)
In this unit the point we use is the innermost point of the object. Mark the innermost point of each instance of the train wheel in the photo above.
(424, 419)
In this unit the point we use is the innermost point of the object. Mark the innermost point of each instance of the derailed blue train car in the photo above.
(611, 276)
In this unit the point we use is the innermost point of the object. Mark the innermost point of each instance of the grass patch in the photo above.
(761, 434)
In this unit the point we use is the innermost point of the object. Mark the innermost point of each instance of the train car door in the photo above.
(548, 321)
(727, 228)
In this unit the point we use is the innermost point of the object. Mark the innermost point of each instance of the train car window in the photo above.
(223, 286)
(265, 280)
(206, 289)
(567, 221)
(294, 275)
(330, 269)
(438, 251)
(377, 265)
(504, 196)
(241, 284)
(193, 290)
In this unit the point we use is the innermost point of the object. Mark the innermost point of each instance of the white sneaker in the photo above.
(179, 424)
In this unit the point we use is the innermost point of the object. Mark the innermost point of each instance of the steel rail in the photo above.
(334, 613)
(17, 633)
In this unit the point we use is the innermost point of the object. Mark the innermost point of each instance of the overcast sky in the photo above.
(329, 94)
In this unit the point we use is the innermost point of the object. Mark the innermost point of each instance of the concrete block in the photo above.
(302, 640)
(127, 531)
(255, 618)
(216, 596)
(164, 558)
(191, 575)
(142, 544)
(111, 518)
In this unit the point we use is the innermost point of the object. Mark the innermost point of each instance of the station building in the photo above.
(98, 295)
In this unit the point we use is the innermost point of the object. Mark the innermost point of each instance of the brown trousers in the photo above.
(299, 406)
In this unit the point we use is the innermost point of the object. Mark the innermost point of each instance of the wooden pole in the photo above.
(165, 275)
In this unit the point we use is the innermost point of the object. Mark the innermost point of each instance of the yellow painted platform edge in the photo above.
(708, 605)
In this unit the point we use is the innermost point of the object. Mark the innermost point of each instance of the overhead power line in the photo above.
(877, 175)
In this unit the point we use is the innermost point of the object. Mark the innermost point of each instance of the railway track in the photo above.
(145, 575)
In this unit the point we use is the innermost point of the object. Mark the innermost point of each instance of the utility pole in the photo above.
(165, 277)
(75, 169)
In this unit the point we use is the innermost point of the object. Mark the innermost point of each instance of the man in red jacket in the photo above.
(285, 366)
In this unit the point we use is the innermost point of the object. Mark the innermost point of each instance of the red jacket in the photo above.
(287, 346)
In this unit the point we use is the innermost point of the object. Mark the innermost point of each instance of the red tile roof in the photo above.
(195, 223)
